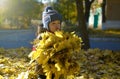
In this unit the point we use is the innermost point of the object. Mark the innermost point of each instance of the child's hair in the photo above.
(40, 29)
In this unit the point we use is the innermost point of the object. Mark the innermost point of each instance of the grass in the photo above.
(104, 33)
(115, 33)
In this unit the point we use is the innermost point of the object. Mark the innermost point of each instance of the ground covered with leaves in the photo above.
(94, 63)
(13, 62)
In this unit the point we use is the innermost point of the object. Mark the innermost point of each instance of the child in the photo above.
(51, 22)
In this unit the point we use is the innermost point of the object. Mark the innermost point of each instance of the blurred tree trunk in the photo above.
(82, 24)
(104, 11)
(87, 8)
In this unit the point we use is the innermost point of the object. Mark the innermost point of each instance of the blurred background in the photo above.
(19, 20)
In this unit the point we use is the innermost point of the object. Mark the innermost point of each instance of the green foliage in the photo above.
(20, 12)
(68, 9)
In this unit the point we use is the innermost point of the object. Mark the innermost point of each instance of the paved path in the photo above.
(16, 38)
(22, 38)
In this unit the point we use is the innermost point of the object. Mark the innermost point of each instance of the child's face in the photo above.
(54, 26)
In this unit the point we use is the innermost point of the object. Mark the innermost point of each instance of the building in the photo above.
(113, 10)
(112, 14)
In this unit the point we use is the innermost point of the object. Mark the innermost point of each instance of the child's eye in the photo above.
(53, 23)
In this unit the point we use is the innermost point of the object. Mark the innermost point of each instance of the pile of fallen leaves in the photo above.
(55, 54)
(99, 64)
(13, 62)
(94, 64)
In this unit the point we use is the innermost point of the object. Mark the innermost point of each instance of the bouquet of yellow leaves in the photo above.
(55, 53)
